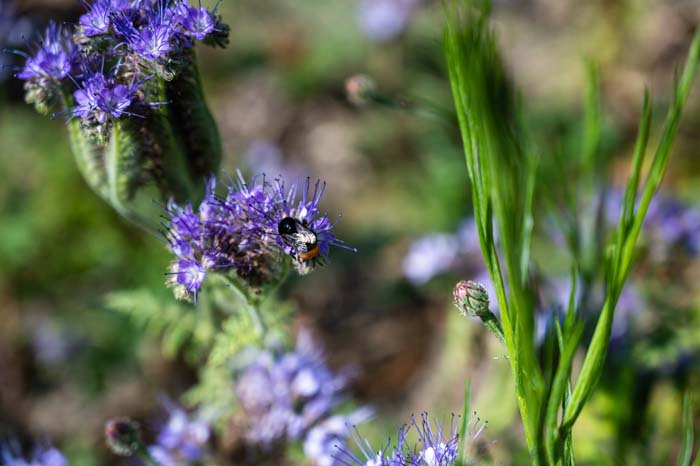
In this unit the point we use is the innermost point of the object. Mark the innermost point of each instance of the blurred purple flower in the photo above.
(285, 394)
(12, 29)
(41, 456)
(323, 440)
(438, 253)
(384, 20)
(182, 441)
(430, 256)
(263, 156)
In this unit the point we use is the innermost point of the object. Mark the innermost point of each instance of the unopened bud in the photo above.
(123, 436)
(471, 298)
(360, 89)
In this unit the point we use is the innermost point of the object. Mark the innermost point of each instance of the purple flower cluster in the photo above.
(182, 441)
(291, 396)
(434, 446)
(41, 456)
(112, 54)
(383, 20)
(240, 232)
(438, 253)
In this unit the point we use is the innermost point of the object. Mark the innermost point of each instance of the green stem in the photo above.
(250, 305)
(494, 326)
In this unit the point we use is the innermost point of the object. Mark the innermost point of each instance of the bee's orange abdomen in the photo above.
(311, 253)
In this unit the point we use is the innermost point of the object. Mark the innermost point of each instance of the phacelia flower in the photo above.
(387, 456)
(434, 446)
(151, 37)
(41, 456)
(242, 232)
(283, 395)
(182, 441)
(102, 97)
(384, 20)
(53, 59)
(323, 440)
(198, 22)
(438, 253)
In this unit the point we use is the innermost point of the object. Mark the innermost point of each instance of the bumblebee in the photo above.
(302, 239)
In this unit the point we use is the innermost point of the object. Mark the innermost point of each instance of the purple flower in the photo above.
(154, 37)
(383, 20)
(285, 394)
(430, 256)
(437, 449)
(101, 98)
(96, 20)
(181, 441)
(198, 22)
(41, 456)
(309, 224)
(323, 440)
(240, 231)
(437, 253)
(386, 456)
(54, 57)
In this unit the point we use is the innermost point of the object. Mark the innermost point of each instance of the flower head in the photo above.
(387, 456)
(101, 97)
(181, 441)
(198, 22)
(41, 456)
(437, 449)
(384, 20)
(241, 232)
(53, 59)
(285, 394)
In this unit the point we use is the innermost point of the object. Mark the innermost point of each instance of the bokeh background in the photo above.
(68, 362)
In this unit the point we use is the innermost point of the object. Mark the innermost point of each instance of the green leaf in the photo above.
(687, 445)
(621, 258)
(466, 409)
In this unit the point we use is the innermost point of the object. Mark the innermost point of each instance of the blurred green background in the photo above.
(67, 362)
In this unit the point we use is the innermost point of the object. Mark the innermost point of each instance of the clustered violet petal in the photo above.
(238, 232)
(293, 396)
(181, 441)
(132, 40)
(41, 456)
(434, 446)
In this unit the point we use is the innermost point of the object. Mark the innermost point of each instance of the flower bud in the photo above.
(471, 298)
(123, 436)
(360, 89)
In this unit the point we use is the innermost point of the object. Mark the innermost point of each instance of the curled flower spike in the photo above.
(246, 232)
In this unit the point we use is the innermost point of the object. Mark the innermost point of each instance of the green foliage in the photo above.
(179, 325)
(502, 168)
